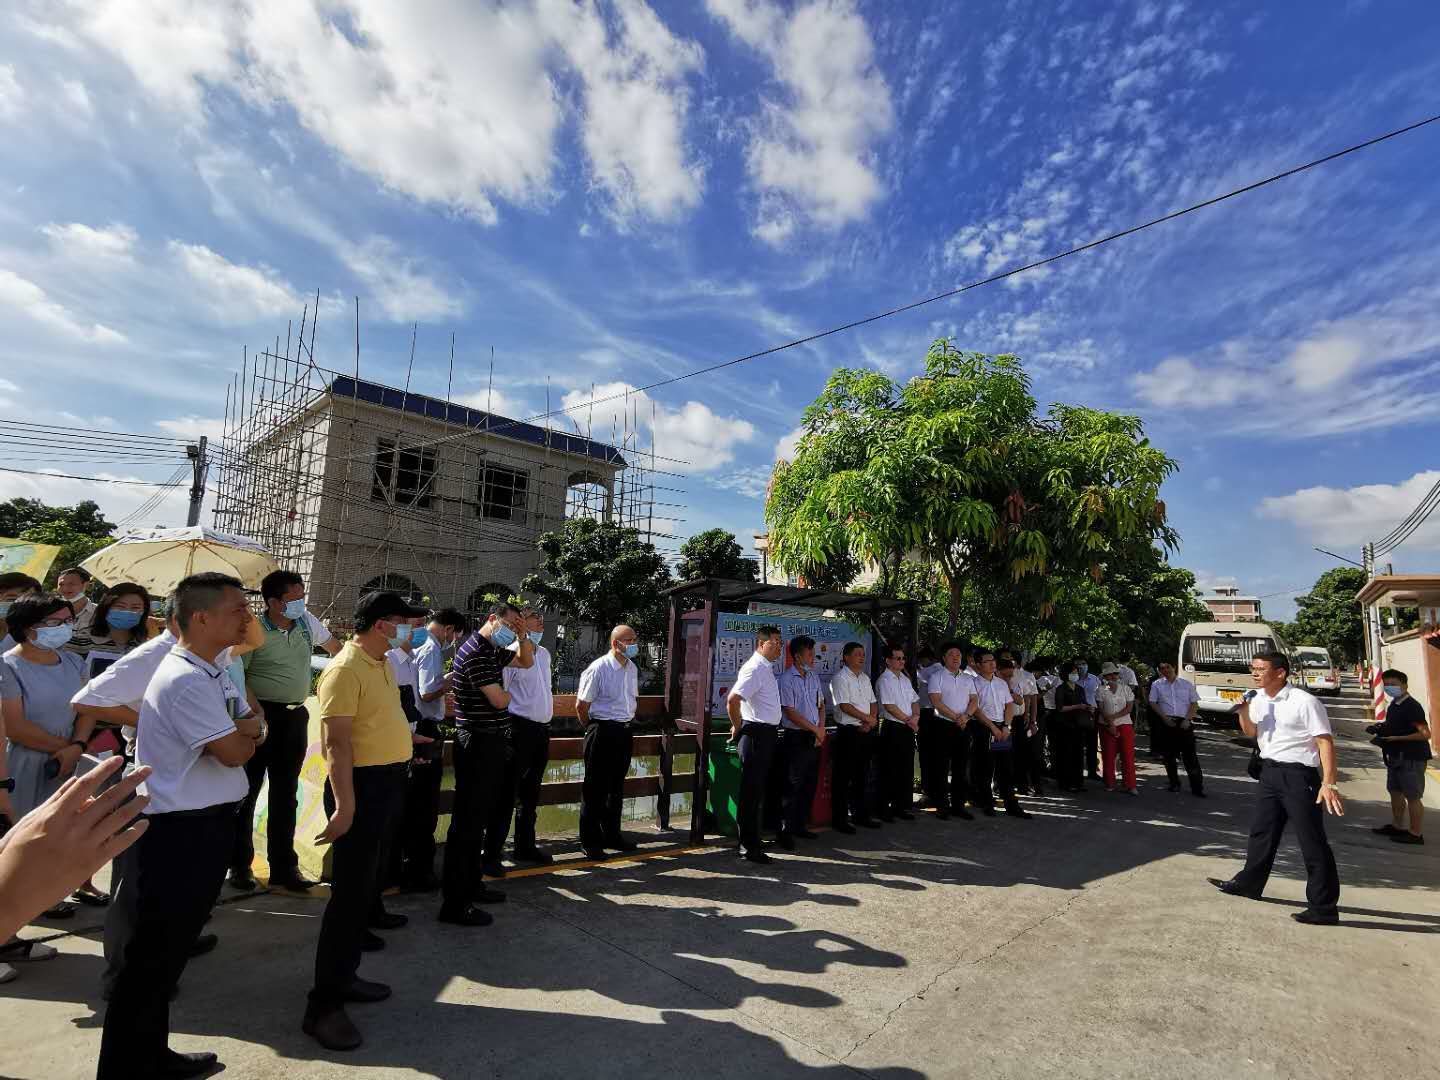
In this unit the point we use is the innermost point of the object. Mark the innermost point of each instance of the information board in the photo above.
(735, 641)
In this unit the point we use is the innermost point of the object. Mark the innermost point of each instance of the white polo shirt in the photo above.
(848, 688)
(1173, 698)
(955, 690)
(529, 688)
(611, 688)
(188, 705)
(1288, 724)
(994, 695)
(758, 691)
(893, 688)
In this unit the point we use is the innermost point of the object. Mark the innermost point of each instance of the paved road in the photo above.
(1084, 943)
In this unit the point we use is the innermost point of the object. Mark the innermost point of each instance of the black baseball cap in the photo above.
(375, 606)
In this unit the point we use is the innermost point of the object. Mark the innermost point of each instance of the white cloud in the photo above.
(234, 293)
(111, 243)
(12, 97)
(1353, 516)
(447, 101)
(813, 154)
(28, 299)
(192, 427)
(402, 290)
(497, 402)
(117, 500)
(788, 444)
(693, 437)
(751, 483)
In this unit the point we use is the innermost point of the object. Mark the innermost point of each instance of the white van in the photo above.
(1315, 670)
(1216, 658)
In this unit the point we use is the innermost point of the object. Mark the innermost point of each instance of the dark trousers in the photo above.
(1091, 754)
(121, 916)
(757, 755)
(1028, 760)
(930, 742)
(177, 869)
(479, 761)
(281, 755)
(1067, 751)
(602, 796)
(897, 791)
(355, 877)
(982, 765)
(1178, 742)
(954, 766)
(529, 754)
(851, 754)
(802, 771)
(412, 855)
(1287, 794)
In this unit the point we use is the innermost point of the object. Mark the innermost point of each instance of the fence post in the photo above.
(667, 771)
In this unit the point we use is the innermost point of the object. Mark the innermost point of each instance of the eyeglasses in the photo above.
(57, 620)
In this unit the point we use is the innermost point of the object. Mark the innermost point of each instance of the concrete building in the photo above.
(1415, 651)
(1227, 605)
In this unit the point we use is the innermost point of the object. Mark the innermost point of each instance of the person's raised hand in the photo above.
(59, 845)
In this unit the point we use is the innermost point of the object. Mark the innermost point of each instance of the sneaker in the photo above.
(1407, 838)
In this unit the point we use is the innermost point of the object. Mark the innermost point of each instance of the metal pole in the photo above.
(200, 464)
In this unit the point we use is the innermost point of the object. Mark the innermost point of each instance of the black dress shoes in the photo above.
(1316, 917)
(243, 880)
(492, 869)
(963, 814)
(904, 815)
(292, 882)
(757, 856)
(619, 843)
(371, 941)
(388, 920)
(366, 992)
(469, 915)
(594, 853)
(332, 1029)
(176, 1064)
(535, 856)
(203, 944)
(1229, 888)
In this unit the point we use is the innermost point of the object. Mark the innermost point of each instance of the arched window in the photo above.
(587, 495)
(484, 597)
(394, 583)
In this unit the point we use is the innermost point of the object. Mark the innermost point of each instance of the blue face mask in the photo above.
(418, 636)
(502, 637)
(1082, 668)
(1393, 692)
(295, 610)
(536, 637)
(402, 635)
(54, 637)
(632, 650)
(122, 620)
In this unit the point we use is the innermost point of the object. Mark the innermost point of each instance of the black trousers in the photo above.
(480, 762)
(1091, 753)
(1178, 742)
(1028, 756)
(602, 796)
(930, 742)
(851, 755)
(1067, 751)
(982, 765)
(412, 854)
(757, 747)
(953, 768)
(281, 755)
(1287, 794)
(121, 916)
(802, 772)
(529, 755)
(176, 870)
(897, 792)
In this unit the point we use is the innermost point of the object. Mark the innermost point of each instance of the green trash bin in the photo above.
(724, 779)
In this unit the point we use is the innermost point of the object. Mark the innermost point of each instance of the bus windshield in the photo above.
(1312, 658)
(1224, 652)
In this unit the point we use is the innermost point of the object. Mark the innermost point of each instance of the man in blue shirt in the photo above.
(802, 732)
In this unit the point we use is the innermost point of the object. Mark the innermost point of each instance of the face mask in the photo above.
(502, 637)
(123, 620)
(536, 637)
(402, 635)
(72, 597)
(1393, 692)
(418, 636)
(632, 650)
(295, 610)
(54, 637)
(1072, 678)
(1082, 668)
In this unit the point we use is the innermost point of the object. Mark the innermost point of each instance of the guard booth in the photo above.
(712, 633)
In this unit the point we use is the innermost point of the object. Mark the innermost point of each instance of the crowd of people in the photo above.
(147, 739)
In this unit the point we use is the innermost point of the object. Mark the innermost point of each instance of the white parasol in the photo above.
(159, 558)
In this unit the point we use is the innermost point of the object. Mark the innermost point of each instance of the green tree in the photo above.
(1329, 615)
(19, 515)
(1156, 601)
(603, 574)
(75, 547)
(958, 468)
(714, 553)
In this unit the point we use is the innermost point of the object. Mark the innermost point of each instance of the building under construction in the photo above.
(358, 486)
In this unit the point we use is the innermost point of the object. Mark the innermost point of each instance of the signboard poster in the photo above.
(23, 557)
(735, 641)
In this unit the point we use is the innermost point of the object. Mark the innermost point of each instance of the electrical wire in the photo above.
(150, 505)
(1406, 528)
(95, 479)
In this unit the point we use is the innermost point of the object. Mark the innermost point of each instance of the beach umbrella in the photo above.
(159, 558)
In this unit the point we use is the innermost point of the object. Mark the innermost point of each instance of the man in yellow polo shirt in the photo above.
(367, 755)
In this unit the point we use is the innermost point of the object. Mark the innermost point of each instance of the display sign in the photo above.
(735, 641)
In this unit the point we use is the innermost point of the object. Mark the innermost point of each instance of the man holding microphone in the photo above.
(1297, 777)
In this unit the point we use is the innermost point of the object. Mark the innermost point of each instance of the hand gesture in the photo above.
(338, 825)
(1333, 803)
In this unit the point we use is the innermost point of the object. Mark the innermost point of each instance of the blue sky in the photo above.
(613, 193)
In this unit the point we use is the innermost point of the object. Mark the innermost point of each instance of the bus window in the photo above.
(1223, 653)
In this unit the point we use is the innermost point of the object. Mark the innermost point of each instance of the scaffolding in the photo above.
(357, 485)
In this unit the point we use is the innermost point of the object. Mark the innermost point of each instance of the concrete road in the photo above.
(1084, 943)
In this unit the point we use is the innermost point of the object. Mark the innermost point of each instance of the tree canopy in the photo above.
(1329, 615)
(78, 531)
(604, 574)
(959, 469)
(715, 553)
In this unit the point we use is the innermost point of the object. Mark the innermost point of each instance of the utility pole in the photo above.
(200, 464)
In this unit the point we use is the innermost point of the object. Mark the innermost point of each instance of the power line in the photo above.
(95, 479)
(948, 294)
(1407, 528)
(91, 433)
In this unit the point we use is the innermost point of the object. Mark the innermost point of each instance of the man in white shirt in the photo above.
(1046, 680)
(1173, 703)
(802, 733)
(900, 721)
(196, 734)
(930, 739)
(1026, 693)
(952, 696)
(1297, 777)
(532, 705)
(992, 746)
(753, 706)
(605, 703)
(852, 697)
(1090, 684)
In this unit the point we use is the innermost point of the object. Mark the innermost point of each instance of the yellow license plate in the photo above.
(1231, 695)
